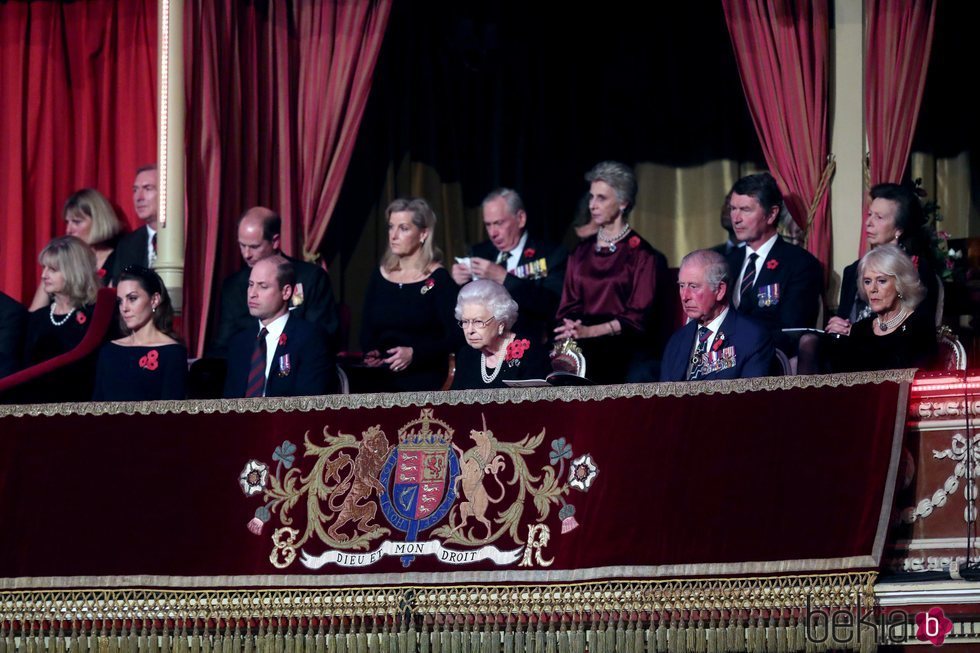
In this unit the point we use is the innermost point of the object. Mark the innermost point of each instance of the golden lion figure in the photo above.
(361, 481)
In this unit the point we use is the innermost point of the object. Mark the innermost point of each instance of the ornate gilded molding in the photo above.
(464, 397)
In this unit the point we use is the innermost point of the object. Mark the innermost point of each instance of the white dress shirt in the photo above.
(275, 328)
(763, 252)
(515, 254)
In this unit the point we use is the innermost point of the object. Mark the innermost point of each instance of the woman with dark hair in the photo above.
(894, 218)
(147, 363)
(895, 335)
(89, 217)
(408, 330)
(68, 281)
(607, 302)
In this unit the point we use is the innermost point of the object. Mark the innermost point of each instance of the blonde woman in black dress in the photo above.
(408, 330)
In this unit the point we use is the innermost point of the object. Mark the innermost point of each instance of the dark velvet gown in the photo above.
(417, 315)
(45, 341)
(602, 286)
(911, 344)
(533, 363)
(141, 373)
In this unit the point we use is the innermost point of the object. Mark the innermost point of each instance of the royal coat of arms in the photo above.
(457, 504)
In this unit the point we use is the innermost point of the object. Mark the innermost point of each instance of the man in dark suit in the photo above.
(279, 355)
(778, 284)
(532, 271)
(312, 299)
(13, 317)
(139, 247)
(717, 342)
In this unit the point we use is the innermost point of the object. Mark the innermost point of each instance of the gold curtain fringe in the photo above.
(741, 615)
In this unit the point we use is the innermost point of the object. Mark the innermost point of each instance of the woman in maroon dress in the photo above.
(610, 285)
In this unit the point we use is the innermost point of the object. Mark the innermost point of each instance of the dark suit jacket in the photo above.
(13, 318)
(800, 280)
(312, 370)
(318, 305)
(753, 350)
(537, 298)
(131, 250)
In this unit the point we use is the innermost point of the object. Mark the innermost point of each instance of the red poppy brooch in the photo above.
(100, 273)
(529, 252)
(515, 351)
(430, 283)
(282, 340)
(151, 361)
(81, 318)
(634, 242)
(772, 264)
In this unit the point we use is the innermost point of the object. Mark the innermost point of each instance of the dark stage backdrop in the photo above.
(471, 96)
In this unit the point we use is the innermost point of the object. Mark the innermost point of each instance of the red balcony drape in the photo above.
(275, 93)
(781, 47)
(78, 82)
(899, 41)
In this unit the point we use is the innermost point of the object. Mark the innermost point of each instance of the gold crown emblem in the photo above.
(426, 430)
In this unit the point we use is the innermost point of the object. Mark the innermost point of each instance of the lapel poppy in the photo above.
(772, 264)
(282, 339)
(81, 318)
(529, 252)
(634, 242)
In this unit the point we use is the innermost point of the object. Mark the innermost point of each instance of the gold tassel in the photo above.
(259, 639)
(620, 641)
(662, 632)
(288, 641)
(164, 639)
(529, 638)
(673, 638)
(340, 639)
(540, 641)
(423, 638)
(781, 632)
(248, 640)
(477, 640)
(280, 641)
(711, 638)
(446, 638)
(509, 636)
(436, 637)
(329, 643)
(518, 639)
(700, 639)
(610, 638)
(232, 640)
(772, 636)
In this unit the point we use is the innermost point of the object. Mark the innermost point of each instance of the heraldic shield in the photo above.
(420, 477)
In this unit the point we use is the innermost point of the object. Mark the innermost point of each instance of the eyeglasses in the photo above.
(479, 324)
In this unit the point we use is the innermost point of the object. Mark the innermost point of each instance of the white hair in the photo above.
(492, 296)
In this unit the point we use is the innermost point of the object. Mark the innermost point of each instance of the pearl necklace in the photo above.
(885, 325)
(63, 320)
(489, 378)
(612, 241)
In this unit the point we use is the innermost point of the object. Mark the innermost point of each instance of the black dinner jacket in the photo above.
(13, 318)
(131, 250)
(318, 305)
(537, 298)
(311, 366)
(800, 280)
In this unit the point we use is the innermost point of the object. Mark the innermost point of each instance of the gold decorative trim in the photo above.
(650, 596)
(460, 397)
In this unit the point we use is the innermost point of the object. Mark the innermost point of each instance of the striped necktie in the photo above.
(256, 372)
(749, 279)
(697, 360)
(502, 258)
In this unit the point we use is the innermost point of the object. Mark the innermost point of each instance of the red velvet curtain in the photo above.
(276, 91)
(899, 41)
(78, 81)
(781, 47)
